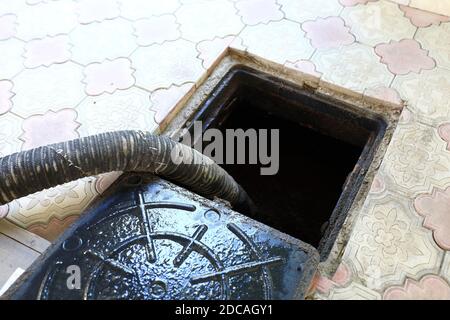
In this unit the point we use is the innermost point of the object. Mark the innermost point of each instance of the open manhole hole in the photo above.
(147, 238)
(326, 148)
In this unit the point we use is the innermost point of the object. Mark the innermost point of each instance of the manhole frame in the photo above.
(177, 122)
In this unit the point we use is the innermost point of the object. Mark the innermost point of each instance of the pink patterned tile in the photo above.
(52, 229)
(156, 30)
(328, 33)
(351, 3)
(50, 127)
(304, 66)
(47, 51)
(385, 94)
(435, 208)
(430, 287)
(108, 76)
(444, 133)
(97, 10)
(341, 277)
(7, 26)
(378, 185)
(404, 56)
(421, 18)
(259, 11)
(211, 50)
(5, 96)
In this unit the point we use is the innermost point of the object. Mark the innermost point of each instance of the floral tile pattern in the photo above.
(354, 67)
(387, 244)
(74, 68)
(378, 22)
(426, 93)
(404, 56)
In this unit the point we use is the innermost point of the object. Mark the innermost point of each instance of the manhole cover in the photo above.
(159, 241)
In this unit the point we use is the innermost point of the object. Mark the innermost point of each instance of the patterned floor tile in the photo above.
(165, 100)
(211, 50)
(304, 66)
(62, 89)
(156, 30)
(47, 51)
(416, 157)
(8, 25)
(6, 94)
(11, 62)
(253, 12)
(108, 76)
(277, 41)
(122, 110)
(436, 39)
(354, 291)
(137, 9)
(302, 10)
(355, 67)
(430, 287)
(328, 33)
(180, 65)
(445, 268)
(10, 131)
(423, 19)
(378, 22)
(427, 93)
(96, 42)
(441, 6)
(96, 10)
(46, 19)
(49, 212)
(51, 127)
(205, 20)
(404, 56)
(388, 243)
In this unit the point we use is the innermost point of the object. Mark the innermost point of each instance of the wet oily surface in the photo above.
(151, 242)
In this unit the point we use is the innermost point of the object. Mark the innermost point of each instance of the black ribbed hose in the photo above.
(29, 171)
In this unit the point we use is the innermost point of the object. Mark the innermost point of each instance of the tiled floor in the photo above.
(75, 68)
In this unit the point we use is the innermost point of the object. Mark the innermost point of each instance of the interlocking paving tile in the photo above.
(355, 67)
(96, 42)
(378, 22)
(302, 10)
(279, 41)
(180, 64)
(436, 39)
(61, 88)
(122, 110)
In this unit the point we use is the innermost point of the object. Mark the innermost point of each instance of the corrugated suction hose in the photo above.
(29, 171)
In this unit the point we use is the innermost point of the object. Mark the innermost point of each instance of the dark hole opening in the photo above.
(324, 150)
